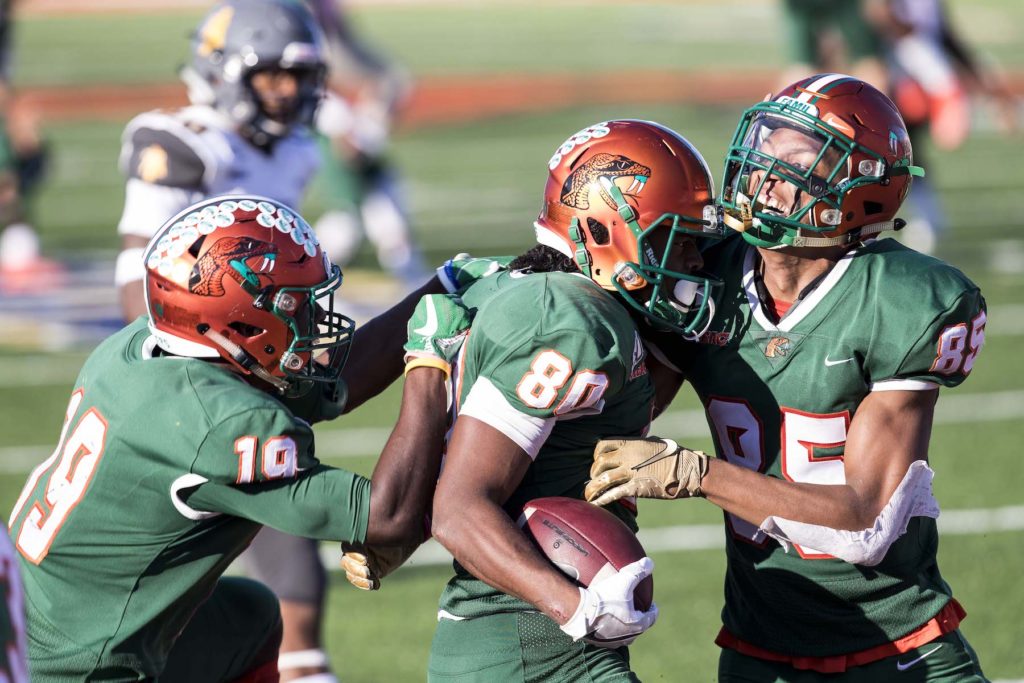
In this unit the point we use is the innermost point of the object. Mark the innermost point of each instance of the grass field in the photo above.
(476, 187)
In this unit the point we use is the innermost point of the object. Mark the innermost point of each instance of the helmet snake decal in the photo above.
(227, 257)
(576, 190)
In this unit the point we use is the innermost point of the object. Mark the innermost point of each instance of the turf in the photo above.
(476, 187)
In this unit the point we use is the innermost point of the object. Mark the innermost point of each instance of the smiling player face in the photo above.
(799, 150)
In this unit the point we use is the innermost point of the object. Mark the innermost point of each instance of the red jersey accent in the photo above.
(780, 308)
(948, 619)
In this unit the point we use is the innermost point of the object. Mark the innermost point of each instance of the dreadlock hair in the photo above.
(544, 259)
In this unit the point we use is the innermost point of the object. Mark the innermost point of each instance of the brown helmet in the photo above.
(610, 188)
(849, 169)
(244, 278)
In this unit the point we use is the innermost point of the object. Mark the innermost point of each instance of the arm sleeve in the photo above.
(147, 206)
(166, 168)
(324, 503)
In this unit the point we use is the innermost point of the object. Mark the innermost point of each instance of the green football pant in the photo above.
(947, 659)
(235, 631)
(519, 647)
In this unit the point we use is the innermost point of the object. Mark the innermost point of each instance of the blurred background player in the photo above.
(22, 164)
(362, 191)
(255, 80)
(932, 71)
(830, 35)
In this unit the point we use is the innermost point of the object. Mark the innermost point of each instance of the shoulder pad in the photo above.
(160, 149)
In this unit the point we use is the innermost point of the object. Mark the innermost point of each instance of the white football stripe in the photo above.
(682, 425)
(815, 87)
(691, 537)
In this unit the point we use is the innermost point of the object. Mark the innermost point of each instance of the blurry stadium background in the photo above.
(499, 85)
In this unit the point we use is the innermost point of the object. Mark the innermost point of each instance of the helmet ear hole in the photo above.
(245, 330)
(598, 231)
(871, 208)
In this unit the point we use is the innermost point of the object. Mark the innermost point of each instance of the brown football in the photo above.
(585, 541)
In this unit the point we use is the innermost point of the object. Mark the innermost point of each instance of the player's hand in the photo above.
(437, 329)
(644, 468)
(462, 270)
(365, 565)
(606, 615)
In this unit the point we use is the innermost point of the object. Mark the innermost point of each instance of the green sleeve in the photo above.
(324, 503)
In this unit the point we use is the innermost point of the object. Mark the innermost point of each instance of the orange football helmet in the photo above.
(842, 148)
(614, 186)
(244, 278)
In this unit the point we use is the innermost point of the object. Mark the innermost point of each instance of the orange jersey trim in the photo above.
(948, 619)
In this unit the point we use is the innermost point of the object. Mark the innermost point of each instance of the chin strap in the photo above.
(746, 219)
(857, 235)
(744, 222)
(243, 358)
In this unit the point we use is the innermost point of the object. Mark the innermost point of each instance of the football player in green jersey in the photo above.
(555, 361)
(190, 429)
(819, 376)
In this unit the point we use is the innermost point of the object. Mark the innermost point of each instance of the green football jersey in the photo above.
(165, 469)
(555, 363)
(779, 399)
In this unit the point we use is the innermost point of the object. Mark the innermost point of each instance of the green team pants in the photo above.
(947, 659)
(237, 629)
(519, 647)
(234, 631)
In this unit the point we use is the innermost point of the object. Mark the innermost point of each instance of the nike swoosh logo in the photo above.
(830, 363)
(670, 448)
(900, 666)
(430, 326)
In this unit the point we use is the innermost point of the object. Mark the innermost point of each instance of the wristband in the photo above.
(428, 362)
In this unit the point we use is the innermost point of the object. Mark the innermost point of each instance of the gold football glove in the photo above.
(645, 468)
(365, 565)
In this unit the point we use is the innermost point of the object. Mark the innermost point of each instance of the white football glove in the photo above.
(606, 615)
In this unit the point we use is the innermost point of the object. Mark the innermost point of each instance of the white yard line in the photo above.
(711, 536)
(339, 444)
(36, 369)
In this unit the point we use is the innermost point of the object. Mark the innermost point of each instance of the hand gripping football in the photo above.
(585, 541)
